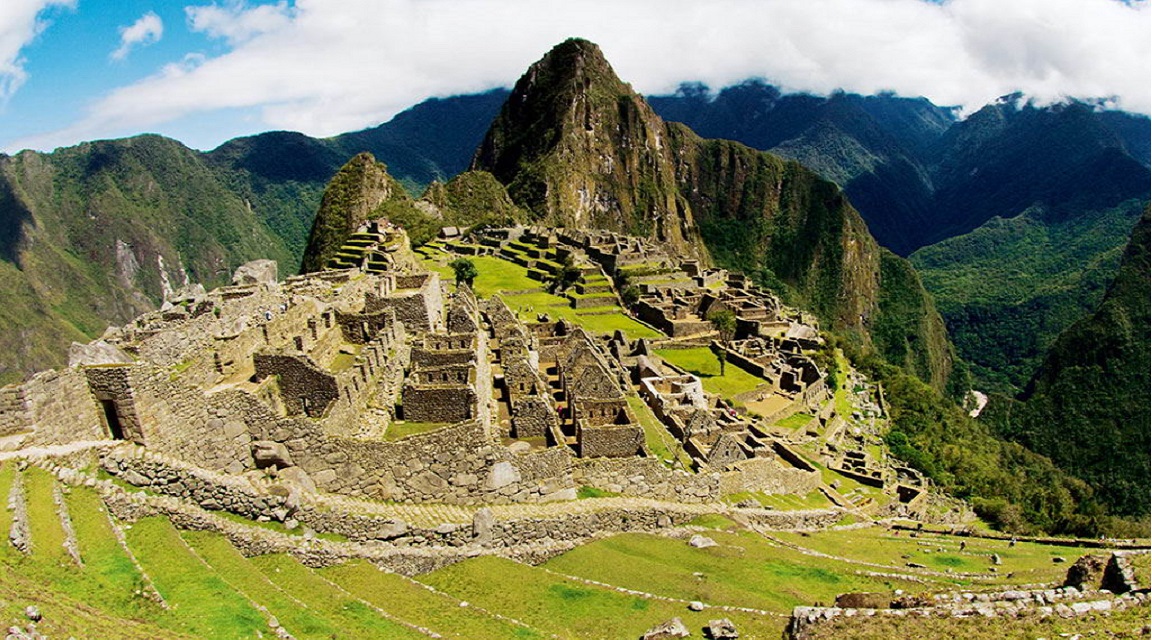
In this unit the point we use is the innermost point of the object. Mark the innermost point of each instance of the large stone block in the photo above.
(256, 272)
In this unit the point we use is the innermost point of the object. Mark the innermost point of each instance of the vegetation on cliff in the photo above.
(1087, 406)
(94, 233)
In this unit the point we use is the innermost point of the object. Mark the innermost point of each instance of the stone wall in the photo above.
(305, 388)
(769, 476)
(609, 440)
(13, 413)
(182, 421)
(52, 407)
(648, 478)
(441, 402)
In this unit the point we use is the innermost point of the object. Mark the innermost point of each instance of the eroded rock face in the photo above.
(256, 272)
(96, 352)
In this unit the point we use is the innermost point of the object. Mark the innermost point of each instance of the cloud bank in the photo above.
(19, 24)
(145, 31)
(324, 67)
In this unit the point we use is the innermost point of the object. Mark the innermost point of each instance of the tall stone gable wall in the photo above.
(181, 421)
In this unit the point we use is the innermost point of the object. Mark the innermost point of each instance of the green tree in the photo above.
(465, 271)
(566, 276)
(724, 321)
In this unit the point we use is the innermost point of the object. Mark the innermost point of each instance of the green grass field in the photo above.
(410, 600)
(701, 362)
(573, 609)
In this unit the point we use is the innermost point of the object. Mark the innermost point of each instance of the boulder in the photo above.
(482, 523)
(95, 353)
(701, 542)
(390, 530)
(296, 480)
(721, 629)
(502, 475)
(674, 628)
(1087, 572)
(863, 600)
(256, 272)
(268, 453)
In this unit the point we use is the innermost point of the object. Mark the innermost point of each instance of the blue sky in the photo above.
(203, 71)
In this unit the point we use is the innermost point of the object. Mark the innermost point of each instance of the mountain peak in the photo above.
(578, 147)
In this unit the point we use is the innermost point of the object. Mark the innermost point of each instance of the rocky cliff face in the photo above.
(577, 147)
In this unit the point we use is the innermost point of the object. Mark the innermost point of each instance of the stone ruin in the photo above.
(304, 383)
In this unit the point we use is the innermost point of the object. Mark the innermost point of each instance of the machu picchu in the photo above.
(606, 378)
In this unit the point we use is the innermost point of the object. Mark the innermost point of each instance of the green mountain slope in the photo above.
(576, 146)
(1087, 407)
(1007, 289)
(95, 234)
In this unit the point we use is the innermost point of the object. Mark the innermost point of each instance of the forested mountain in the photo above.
(1087, 406)
(1016, 214)
(95, 234)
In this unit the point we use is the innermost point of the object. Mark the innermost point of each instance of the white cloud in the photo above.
(20, 22)
(325, 67)
(145, 31)
(236, 22)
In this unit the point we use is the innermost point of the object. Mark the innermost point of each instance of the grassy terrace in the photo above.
(353, 617)
(403, 429)
(202, 602)
(498, 276)
(744, 569)
(410, 600)
(1028, 562)
(783, 502)
(656, 437)
(703, 363)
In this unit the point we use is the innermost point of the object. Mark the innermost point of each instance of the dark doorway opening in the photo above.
(112, 418)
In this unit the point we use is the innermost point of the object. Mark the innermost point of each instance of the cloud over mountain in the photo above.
(325, 67)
